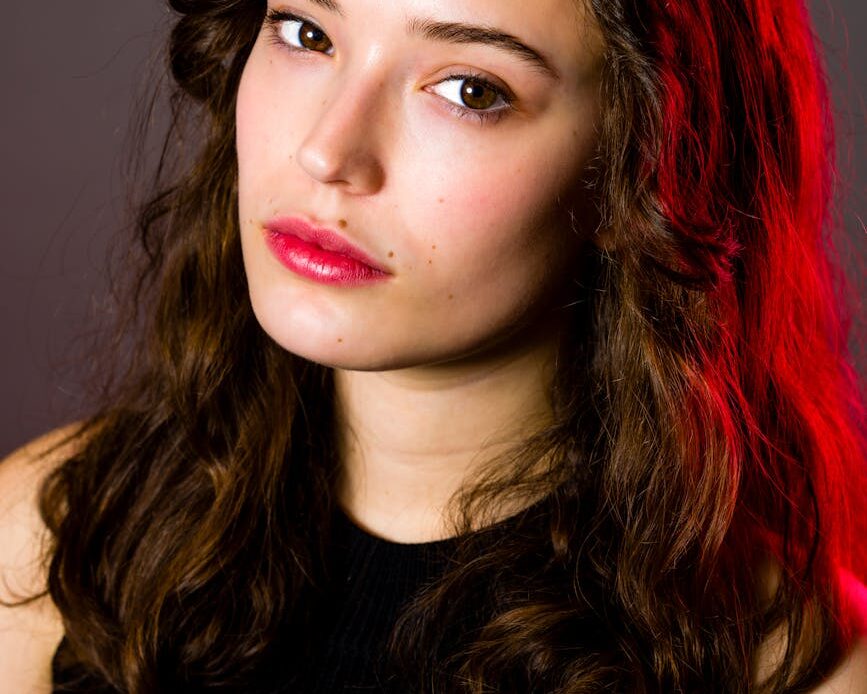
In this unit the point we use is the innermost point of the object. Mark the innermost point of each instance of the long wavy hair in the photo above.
(708, 423)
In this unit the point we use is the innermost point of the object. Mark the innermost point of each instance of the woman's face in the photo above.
(442, 144)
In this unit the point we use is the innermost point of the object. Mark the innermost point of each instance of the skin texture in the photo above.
(480, 225)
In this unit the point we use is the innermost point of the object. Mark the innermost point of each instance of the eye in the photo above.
(298, 33)
(474, 95)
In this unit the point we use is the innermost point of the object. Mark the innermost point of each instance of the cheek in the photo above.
(496, 212)
(250, 132)
(267, 128)
(248, 103)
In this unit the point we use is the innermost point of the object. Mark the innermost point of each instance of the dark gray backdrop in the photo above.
(70, 72)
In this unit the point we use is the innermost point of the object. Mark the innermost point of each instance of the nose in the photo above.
(341, 146)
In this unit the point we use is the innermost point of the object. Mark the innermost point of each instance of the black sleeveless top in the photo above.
(373, 580)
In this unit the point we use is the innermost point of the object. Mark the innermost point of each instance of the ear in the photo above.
(595, 232)
(586, 219)
(604, 238)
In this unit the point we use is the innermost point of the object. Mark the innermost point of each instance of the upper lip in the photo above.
(325, 238)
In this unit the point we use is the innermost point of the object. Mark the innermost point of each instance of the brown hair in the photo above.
(708, 421)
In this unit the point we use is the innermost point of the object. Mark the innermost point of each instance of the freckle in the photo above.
(441, 200)
(391, 254)
(451, 296)
(341, 223)
(340, 339)
(434, 247)
(429, 261)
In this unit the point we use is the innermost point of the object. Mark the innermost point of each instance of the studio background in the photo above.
(72, 71)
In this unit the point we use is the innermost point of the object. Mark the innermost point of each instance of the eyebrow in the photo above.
(459, 32)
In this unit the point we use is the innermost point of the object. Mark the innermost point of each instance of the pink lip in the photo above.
(320, 254)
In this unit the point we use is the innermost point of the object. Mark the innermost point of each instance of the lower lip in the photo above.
(315, 263)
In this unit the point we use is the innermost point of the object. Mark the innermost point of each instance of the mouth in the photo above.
(320, 254)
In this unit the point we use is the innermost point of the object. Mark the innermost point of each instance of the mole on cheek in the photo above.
(342, 223)
(451, 296)
(340, 339)
(391, 254)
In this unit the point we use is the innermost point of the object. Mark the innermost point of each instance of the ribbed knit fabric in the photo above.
(372, 579)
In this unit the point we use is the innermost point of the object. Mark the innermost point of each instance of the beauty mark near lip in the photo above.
(320, 254)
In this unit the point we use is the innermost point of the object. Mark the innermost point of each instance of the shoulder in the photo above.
(34, 459)
(850, 677)
(30, 632)
(22, 533)
(21, 476)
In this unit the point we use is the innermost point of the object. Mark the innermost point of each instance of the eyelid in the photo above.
(273, 16)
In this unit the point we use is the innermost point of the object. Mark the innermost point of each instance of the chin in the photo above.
(322, 342)
(357, 351)
(334, 336)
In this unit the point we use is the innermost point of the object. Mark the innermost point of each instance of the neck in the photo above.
(410, 438)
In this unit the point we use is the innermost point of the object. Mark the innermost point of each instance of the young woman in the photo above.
(486, 347)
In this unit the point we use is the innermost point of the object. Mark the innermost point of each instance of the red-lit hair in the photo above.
(744, 175)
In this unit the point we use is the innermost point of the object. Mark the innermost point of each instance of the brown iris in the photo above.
(313, 38)
(477, 95)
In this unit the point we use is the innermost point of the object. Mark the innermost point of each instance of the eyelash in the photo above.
(274, 18)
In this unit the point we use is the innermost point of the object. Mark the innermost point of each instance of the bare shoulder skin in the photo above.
(29, 634)
(850, 677)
